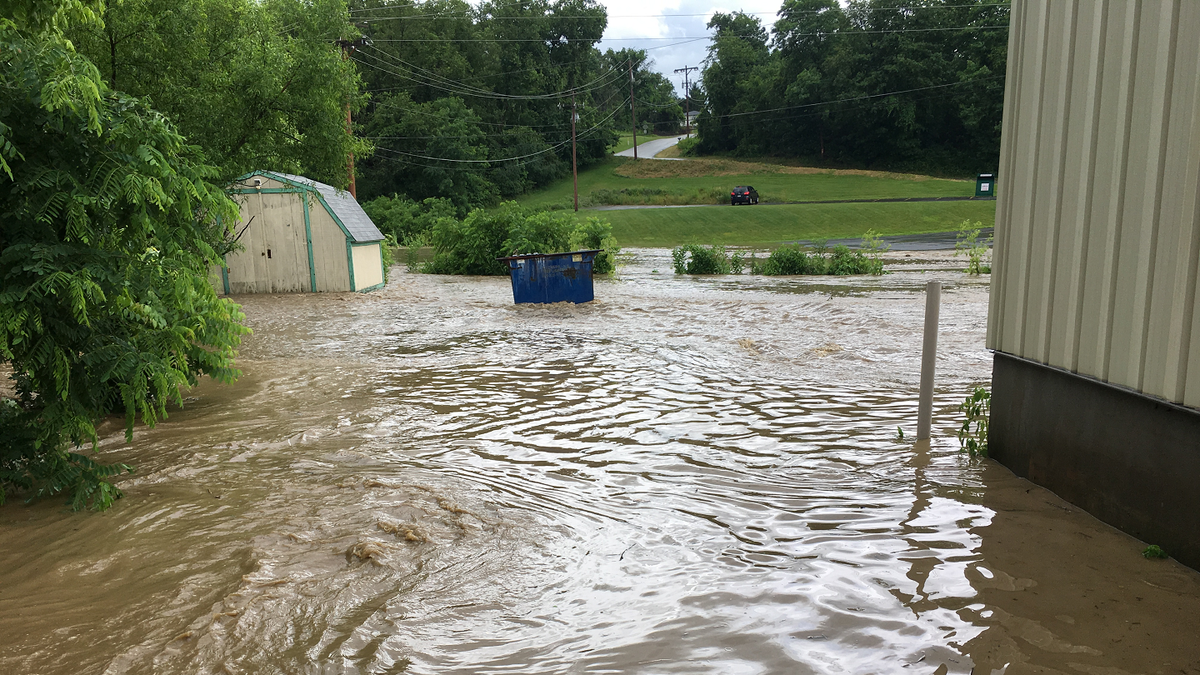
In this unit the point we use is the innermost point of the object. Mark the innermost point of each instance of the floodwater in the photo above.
(690, 475)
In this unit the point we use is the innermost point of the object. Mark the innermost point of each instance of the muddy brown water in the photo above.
(690, 475)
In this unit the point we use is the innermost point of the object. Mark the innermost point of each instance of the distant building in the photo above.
(300, 236)
(1093, 319)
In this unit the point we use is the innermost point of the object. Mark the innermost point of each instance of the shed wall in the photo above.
(330, 257)
(1098, 210)
(368, 266)
(275, 255)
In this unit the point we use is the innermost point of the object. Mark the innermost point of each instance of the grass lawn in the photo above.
(765, 225)
(709, 180)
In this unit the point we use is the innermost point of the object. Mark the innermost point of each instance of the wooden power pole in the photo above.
(633, 110)
(348, 46)
(574, 170)
(687, 96)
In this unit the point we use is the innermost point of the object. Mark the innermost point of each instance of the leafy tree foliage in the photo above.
(256, 84)
(825, 86)
(108, 225)
(475, 104)
(471, 246)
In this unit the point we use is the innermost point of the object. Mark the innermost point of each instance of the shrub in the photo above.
(787, 260)
(695, 259)
(594, 233)
(472, 245)
(968, 244)
(841, 260)
(688, 147)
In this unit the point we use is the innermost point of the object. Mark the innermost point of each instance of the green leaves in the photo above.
(973, 434)
(108, 226)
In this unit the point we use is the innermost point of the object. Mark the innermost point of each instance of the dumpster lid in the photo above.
(527, 256)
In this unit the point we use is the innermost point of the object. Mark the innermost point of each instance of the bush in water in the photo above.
(841, 260)
(471, 246)
(594, 233)
(695, 259)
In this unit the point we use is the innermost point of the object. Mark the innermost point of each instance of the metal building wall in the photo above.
(1098, 212)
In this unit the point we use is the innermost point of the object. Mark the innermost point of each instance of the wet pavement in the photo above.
(690, 475)
(649, 149)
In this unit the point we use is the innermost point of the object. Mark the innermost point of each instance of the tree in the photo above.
(108, 226)
(254, 84)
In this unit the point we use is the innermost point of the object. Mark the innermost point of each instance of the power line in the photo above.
(464, 89)
(860, 98)
(505, 159)
(705, 37)
(373, 19)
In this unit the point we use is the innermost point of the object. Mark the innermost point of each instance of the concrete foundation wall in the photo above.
(1129, 459)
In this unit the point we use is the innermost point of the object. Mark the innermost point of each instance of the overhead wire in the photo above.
(507, 159)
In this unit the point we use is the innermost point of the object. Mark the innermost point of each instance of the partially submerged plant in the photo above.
(973, 434)
(696, 259)
(969, 244)
(1153, 551)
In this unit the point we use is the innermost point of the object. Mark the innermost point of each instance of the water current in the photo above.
(689, 475)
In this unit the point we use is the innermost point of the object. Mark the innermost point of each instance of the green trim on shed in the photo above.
(264, 191)
(350, 261)
(225, 274)
(368, 289)
(312, 269)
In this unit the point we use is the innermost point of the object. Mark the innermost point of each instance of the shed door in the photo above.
(284, 245)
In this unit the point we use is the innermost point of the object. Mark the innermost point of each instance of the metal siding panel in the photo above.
(1054, 126)
(1181, 199)
(997, 308)
(1112, 139)
(1024, 177)
(1078, 175)
(1139, 219)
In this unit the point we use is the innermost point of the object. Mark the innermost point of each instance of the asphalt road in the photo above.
(649, 149)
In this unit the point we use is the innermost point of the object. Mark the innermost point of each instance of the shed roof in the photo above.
(345, 208)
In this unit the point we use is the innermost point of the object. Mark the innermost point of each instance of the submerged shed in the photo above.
(300, 236)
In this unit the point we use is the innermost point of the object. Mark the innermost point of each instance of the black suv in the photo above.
(743, 194)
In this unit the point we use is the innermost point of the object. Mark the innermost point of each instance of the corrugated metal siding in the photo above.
(1098, 212)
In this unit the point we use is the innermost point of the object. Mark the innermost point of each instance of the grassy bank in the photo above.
(771, 225)
(623, 181)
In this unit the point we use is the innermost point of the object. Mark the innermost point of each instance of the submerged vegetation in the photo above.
(795, 259)
(973, 434)
(978, 251)
(473, 244)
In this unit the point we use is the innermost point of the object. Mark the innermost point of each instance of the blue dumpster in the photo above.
(552, 277)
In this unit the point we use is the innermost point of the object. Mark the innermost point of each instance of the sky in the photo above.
(641, 24)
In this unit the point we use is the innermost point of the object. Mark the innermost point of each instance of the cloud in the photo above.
(640, 24)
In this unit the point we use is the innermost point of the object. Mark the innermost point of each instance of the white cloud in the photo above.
(640, 24)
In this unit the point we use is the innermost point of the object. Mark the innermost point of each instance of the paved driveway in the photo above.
(649, 149)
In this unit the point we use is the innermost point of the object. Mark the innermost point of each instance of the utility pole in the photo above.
(633, 110)
(687, 96)
(348, 47)
(574, 170)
